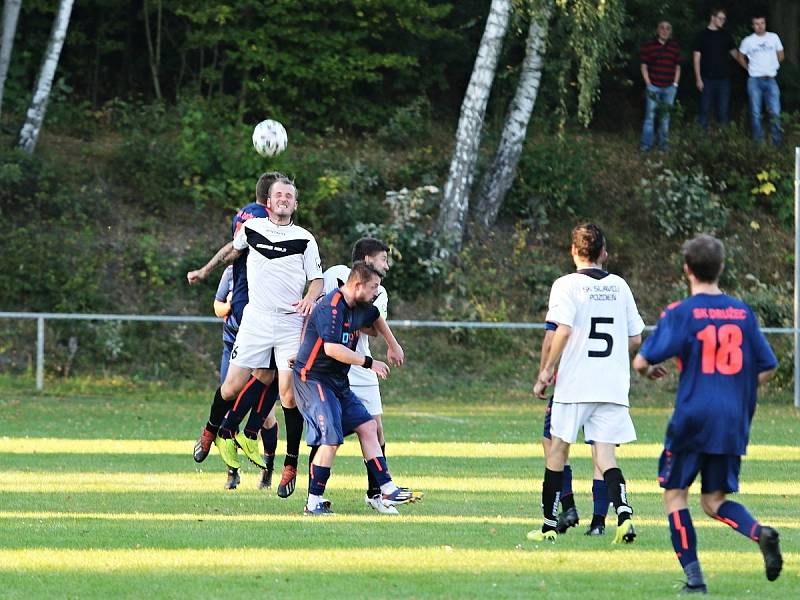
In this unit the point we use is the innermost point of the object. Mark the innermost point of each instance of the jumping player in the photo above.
(256, 391)
(322, 389)
(282, 257)
(723, 357)
(598, 326)
(262, 416)
(364, 382)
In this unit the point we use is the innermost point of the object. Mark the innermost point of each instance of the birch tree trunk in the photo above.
(455, 199)
(29, 134)
(10, 15)
(500, 176)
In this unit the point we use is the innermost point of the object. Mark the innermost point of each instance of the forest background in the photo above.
(145, 154)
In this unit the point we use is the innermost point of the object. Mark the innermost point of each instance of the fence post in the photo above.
(40, 354)
(796, 277)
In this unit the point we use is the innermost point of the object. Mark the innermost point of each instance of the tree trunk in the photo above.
(500, 176)
(10, 14)
(34, 118)
(455, 199)
(784, 19)
(154, 54)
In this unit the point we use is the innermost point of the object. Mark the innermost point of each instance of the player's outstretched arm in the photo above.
(645, 369)
(224, 255)
(343, 354)
(394, 352)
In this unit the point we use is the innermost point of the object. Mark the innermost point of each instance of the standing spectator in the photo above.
(713, 48)
(661, 70)
(761, 54)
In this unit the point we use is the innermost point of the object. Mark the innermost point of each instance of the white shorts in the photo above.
(601, 421)
(263, 333)
(370, 396)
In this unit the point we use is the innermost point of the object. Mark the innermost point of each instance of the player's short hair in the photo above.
(285, 181)
(368, 247)
(705, 257)
(589, 240)
(265, 182)
(716, 9)
(758, 14)
(362, 272)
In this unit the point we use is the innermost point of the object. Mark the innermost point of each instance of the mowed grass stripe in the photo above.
(525, 560)
(49, 445)
(406, 519)
(78, 482)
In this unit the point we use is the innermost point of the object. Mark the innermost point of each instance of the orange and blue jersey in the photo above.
(333, 321)
(721, 351)
(239, 297)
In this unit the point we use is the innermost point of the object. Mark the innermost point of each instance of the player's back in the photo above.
(600, 309)
(721, 351)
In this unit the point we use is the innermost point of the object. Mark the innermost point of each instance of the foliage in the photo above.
(554, 177)
(408, 232)
(682, 203)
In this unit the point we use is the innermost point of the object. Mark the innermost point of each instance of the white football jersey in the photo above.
(280, 261)
(600, 309)
(334, 278)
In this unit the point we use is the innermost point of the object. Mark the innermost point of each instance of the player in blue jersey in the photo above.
(568, 517)
(269, 428)
(322, 389)
(723, 356)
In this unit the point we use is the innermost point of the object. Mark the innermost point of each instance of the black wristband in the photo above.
(367, 364)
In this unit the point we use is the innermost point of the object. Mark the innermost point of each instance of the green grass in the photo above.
(99, 497)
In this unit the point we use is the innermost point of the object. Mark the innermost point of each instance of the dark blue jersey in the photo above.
(720, 351)
(239, 298)
(332, 320)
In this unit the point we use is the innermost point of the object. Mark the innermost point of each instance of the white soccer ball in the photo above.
(269, 138)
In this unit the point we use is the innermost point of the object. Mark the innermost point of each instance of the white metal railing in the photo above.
(40, 319)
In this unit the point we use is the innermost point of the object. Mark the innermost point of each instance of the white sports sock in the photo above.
(313, 501)
(388, 487)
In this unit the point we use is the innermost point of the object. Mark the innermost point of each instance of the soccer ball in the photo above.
(269, 138)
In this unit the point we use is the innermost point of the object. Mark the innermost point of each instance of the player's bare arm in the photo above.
(698, 80)
(306, 305)
(226, 254)
(645, 369)
(560, 338)
(766, 375)
(344, 355)
(540, 390)
(634, 342)
(394, 352)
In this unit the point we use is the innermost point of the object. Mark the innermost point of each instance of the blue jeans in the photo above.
(658, 104)
(717, 93)
(764, 91)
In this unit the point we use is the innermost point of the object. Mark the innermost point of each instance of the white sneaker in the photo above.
(376, 503)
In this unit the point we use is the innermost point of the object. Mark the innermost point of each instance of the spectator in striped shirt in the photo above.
(661, 70)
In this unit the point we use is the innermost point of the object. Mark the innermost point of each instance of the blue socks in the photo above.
(734, 514)
(318, 479)
(600, 497)
(567, 499)
(684, 541)
(378, 469)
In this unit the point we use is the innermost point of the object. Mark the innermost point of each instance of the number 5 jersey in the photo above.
(600, 309)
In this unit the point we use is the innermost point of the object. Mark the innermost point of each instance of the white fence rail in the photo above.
(40, 319)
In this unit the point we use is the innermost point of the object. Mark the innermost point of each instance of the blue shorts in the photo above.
(547, 416)
(718, 472)
(328, 413)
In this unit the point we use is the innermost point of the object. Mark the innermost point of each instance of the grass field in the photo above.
(99, 497)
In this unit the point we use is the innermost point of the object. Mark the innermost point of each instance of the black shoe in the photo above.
(288, 480)
(771, 549)
(694, 589)
(233, 479)
(596, 529)
(567, 519)
(265, 482)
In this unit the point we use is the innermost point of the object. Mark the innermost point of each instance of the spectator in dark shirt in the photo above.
(712, 53)
(661, 70)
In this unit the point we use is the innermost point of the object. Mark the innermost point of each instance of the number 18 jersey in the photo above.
(720, 351)
(600, 309)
